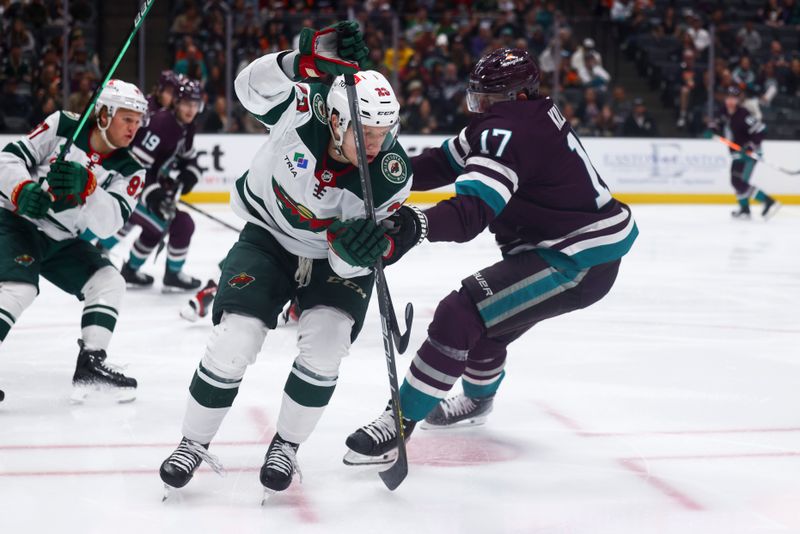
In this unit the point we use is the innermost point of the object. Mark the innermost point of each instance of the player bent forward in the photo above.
(306, 238)
(46, 204)
(519, 169)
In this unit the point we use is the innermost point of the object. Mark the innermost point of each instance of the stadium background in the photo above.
(650, 71)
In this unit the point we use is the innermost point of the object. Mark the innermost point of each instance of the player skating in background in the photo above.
(161, 97)
(46, 204)
(305, 237)
(166, 141)
(519, 169)
(747, 131)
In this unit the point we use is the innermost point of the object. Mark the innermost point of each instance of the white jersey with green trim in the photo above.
(293, 188)
(119, 178)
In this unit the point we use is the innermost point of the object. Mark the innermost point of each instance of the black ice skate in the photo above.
(771, 207)
(376, 443)
(459, 411)
(179, 467)
(199, 305)
(134, 278)
(741, 214)
(178, 281)
(280, 464)
(93, 374)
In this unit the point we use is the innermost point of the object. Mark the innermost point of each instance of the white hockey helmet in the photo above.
(120, 95)
(377, 103)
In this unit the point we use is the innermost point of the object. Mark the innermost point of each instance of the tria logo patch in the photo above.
(241, 280)
(301, 160)
(24, 259)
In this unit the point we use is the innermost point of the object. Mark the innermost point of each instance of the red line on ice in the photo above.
(681, 498)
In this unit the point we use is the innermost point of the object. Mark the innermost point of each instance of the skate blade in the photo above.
(354, 458)
(189, 313)
(266, 496)
(120, 395)
(473, 421)
(771, 213)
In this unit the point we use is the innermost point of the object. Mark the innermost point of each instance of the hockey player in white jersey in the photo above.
(46, 204)
(306, 237)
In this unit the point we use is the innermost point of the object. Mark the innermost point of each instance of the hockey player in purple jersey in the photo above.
(167, 141)
(519, 169)
(747, 131)
(168, 83)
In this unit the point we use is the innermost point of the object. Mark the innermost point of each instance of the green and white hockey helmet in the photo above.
(120, 95)
(377, 103)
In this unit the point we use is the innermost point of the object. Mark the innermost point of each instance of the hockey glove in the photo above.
(359, 242)
(337, 49)
(159, 201)
(70, 182)
(405, 229)
(31, 200)
(188, 179)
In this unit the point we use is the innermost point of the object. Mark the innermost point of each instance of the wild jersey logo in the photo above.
(319, 108)
(241, 280)
(296, 214)
(394, 168)
(24, 259)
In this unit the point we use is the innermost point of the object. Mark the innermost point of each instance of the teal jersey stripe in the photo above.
(450, 159)
(150, 216)
(475, 391)
(606, 253)
(482, 191)
(415, 404)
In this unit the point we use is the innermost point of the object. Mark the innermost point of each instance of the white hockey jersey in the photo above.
(293, 188)
(119, 178)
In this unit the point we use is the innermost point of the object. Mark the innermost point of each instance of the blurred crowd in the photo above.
(427, 48)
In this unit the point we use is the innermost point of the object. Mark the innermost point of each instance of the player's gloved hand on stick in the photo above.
(70, 180)
(188, 179)
(359, 242)
(31, 200)
(405, 229)
(337, 49)
(159, 201)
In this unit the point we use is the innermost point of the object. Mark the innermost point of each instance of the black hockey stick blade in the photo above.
(401, 340)
(396, 474)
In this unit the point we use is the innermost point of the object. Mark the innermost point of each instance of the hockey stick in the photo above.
(163, 241)
(207, 214)
(143, 11)
(752, 155)
(395, 475)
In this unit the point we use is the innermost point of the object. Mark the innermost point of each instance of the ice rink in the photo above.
(672, 406)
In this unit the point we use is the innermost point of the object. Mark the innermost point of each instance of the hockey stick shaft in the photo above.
(208, 215)
(752, 155)
(395, 475)
(137, 22)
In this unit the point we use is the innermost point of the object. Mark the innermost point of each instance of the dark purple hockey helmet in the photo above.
(501, 75)
(190, 90)
(168, 78)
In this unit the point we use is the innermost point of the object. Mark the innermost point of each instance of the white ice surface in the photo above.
(671, 406)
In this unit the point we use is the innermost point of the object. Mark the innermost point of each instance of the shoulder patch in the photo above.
(71, 115)
(320, 109)
(394, 168)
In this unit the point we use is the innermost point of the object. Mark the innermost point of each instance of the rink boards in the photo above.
(662, 170)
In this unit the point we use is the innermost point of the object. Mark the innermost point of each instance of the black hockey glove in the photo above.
(159, 201)
(188, 179)
(359, 242)
(406, 228)
(337, 49)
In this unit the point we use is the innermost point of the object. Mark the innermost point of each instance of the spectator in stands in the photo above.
(404, 54)
(21, 37)
(748, 38)
(578, 58)
(415, 114)
(743, 74)
(699, 35)
(620, 106)
(773, 14)
(43, 109)
(192, 64)
(589, 107)
(604, 124)
(79, 99)
(776, 56)
(768, 83)
(669, 22)
(217, 121)
(187, 22)
(639, 123)
(80, 66)
(568, 111)
(791, 13)
(17, 67)
(793, 78)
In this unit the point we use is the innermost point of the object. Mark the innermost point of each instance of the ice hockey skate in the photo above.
(93, 374)
(134, 278)
(179, 467)
(742, 214)
(771, 207)
(280, 464)
(459, 411)
(178, 281)
(376, 443)
(199, 305)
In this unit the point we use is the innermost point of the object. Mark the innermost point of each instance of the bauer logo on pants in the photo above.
(241, 280)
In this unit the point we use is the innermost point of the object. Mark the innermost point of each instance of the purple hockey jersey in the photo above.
(164, 142)
(520, 170)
